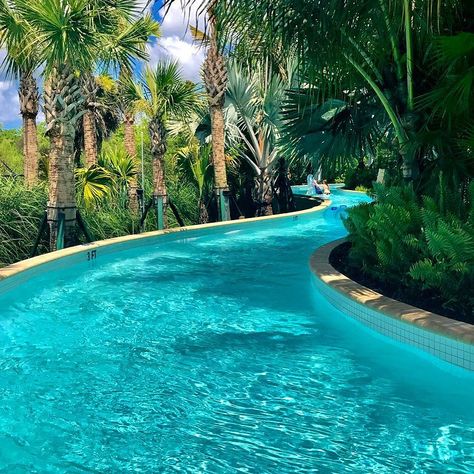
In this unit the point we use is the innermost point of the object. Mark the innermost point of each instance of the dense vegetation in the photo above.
(424, 250)
(385, 85)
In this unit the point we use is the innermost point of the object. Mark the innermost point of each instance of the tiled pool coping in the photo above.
(452, 341)
(31, 266)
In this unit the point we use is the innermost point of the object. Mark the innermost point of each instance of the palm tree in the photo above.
(257, 95)
(93, 185)
(71, 35)
(124, 64)
(162, 94)
(21, 61)
(131, 149)
(89, 89)
(128, 114)
(109, 179)
(123, 169)
(215, 80)
(122, 46)
(349, 45)
(104, 112)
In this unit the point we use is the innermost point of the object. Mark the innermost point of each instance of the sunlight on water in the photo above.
(211, 353)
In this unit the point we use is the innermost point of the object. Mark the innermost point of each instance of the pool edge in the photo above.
(450, 340)
(32, 263)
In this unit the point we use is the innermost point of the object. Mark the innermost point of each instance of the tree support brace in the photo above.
(82, 225)
(160, 214)
(146, 210)
(42, 230)
(60, 236)
(61, 224)
(223, 204)
(176, 213)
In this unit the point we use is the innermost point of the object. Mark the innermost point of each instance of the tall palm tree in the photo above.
(131, 149)
(215, 80)
(126, 43)
(128, 114)
(71, 36)
(21, 61)
(141, 31)
(89, 89)
(257, 94)
(162, 94)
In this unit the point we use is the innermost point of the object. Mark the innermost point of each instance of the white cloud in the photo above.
(177, 19)
(9, 103)
(189, 56)
(9, 108)
(176, 42)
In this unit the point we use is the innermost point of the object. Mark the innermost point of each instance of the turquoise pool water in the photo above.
(210, 352)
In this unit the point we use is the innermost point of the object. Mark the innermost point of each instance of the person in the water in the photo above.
(317, 187)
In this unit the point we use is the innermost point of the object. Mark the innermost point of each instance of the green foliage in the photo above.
(93, 185)
(417, 245)
(255, 96)
(11, 155)
(11, 151)
(448, 263)
(107, 181)
(360, 176)
(106, 221)
(122, 170)
(161, 93)
(21, 211)
(196, 162)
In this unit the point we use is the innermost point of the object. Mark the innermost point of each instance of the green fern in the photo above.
(426, 244)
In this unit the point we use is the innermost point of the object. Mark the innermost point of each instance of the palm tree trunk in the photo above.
(158, 150)
(89, 91)
(218, 142)
(62, 196)
(90, 139)
(30, 150)
(215, 80)
(131, 149)
(63, 100)
(29, 99)
(263, 193)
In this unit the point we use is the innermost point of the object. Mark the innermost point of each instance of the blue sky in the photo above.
(175, 43)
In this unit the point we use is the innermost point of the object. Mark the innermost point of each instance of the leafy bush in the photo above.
(417, 245)
(21, 211)
(360, 176)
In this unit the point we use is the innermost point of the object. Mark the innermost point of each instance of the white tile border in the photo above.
(447, 339)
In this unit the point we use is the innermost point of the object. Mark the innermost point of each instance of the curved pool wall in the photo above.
(208, 350)
(449, 340)
(17, 273)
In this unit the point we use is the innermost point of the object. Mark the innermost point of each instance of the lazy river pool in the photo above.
(210, 351)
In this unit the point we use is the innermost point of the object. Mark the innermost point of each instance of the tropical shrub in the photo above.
(360, 176)
(417, 245)
(447, 265)
(21, 211)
